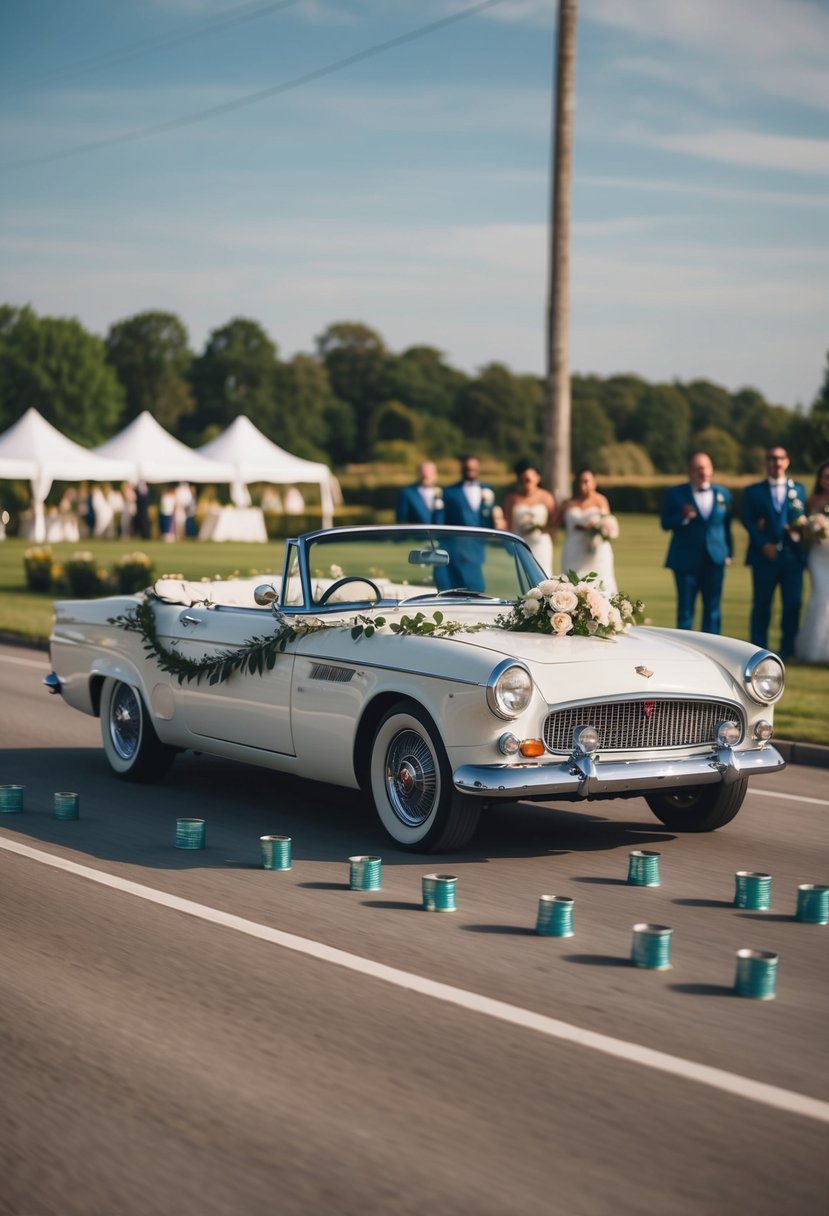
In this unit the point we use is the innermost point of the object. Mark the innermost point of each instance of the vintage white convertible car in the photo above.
(436, 668)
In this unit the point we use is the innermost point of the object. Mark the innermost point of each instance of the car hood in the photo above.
(641, 662)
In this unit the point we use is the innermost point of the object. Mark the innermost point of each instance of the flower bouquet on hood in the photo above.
(572, 604)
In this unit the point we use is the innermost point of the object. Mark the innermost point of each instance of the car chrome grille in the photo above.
(641, 725)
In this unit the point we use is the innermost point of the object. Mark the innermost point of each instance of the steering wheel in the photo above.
(349, 578)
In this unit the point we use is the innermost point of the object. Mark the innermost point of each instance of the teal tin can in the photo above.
(67, 805)
(555, 916)
(190, 833)
(365, 873)
(275, 852)
(756, 974)
(11, 799)
(812, 904)
(439, 892)
(643, 868)
(752, 890)
(651, 947)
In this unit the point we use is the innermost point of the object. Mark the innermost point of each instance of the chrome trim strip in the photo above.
(585, 777)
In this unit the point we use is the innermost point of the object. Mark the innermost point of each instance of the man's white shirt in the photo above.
(473, 494)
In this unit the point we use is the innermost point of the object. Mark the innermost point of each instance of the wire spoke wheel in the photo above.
(411, 777)
(411, 784)
(133, 749)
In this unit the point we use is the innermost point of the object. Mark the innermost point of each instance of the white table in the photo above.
(234, 523)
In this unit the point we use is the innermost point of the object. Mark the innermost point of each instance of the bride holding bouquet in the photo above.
(812, 644)
(529, 512)
(589, 527)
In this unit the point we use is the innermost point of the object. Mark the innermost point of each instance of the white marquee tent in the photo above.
(33, 450)
(254, 457)
(156, 456)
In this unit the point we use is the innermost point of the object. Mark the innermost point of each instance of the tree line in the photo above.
(353, 400)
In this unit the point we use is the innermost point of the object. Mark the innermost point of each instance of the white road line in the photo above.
(730, 1083)
(781, 795)
(41, 666)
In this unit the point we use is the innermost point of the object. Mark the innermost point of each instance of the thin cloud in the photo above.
(754, 149)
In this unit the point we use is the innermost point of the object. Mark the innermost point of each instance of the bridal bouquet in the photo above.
(570, 604)
(525, 522)
(817, 527)
(606, 527)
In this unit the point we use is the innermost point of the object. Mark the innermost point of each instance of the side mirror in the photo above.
(264, 595)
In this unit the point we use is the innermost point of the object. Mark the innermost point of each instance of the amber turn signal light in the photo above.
(532, 747)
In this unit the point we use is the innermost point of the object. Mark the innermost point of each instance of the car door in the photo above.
(249, 709)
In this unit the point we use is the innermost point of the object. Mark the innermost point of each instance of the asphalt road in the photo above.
(279, 1043)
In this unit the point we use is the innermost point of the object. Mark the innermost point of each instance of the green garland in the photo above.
(258, 654)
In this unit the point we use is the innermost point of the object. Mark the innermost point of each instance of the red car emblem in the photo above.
(647, 709)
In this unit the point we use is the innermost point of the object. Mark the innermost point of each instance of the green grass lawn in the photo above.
(640, 552)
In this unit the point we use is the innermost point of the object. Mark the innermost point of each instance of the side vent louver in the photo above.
(334, 675)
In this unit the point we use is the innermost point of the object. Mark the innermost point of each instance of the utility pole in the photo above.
(557, 416)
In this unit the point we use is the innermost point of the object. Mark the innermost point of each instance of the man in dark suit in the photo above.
(771, 510)
(421, 503)
(699, 515)
(471, 504)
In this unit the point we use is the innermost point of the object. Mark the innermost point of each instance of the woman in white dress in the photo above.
(585, 552)
(812, 644)
(529, 511)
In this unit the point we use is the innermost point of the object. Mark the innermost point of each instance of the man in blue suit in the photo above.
(771, 510)
(699, 515)
(421, 503)
(470, 503)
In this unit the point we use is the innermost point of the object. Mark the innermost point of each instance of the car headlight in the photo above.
(509, 689)
(764, 677)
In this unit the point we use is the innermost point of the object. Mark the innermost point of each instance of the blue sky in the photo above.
(410, 189)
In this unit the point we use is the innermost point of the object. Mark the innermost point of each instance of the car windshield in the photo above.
(406, 564)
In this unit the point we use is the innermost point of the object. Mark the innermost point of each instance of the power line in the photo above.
(249, 99)
(238, 15)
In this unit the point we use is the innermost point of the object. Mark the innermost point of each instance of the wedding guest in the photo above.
(115, 506)
(422, 502)
(183, 503)
(812, 645)
(775, 552)
(87, 508)
(102, 510)
(529, 510)
(167, 514)
(142, 510)
(471, 504)
(586, 550)
(698, 513)
(128, 509)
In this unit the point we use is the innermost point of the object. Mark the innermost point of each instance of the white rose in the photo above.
(614, 618)
(564, 599)
(561, 622)
(548, 586)
(530, 606)
(487, 498)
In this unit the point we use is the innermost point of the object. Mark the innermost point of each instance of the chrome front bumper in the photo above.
(586, 777)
